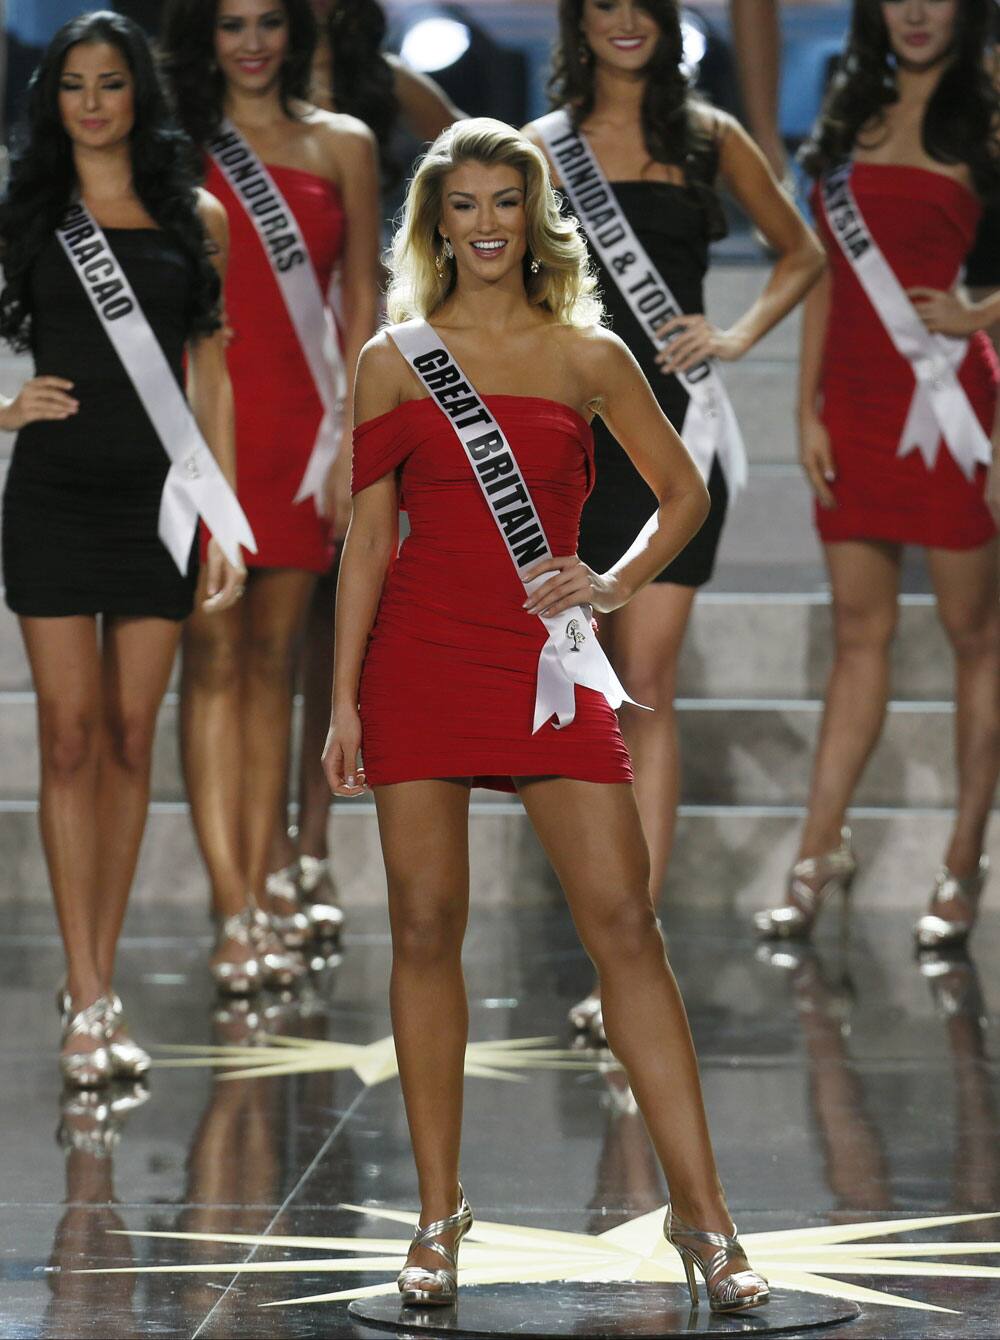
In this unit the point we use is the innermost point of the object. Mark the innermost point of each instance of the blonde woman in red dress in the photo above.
(439, 677)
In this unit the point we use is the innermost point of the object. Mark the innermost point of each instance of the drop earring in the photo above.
(535, 265)
(583, 52)
(447, 252)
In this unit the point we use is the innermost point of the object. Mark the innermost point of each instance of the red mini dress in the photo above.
(278, 411)
(924, 223)
(448, 682)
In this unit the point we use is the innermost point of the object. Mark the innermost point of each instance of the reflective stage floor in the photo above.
(853, 1097)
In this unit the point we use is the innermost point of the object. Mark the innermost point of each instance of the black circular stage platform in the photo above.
(614, 1311)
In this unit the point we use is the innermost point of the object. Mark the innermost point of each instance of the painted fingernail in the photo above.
(829, 476)
(350, 781)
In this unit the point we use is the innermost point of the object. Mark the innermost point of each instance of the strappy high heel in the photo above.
(279, 967)
(237, 977)
(325, 913)
(85, 1069)
(712, 1254)
(287, 916)
(128, 1059)
(936, 932)
(811, 882)
(419, 1287)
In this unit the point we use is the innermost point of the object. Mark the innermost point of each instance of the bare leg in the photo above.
(965, 583)
(865, 581)
(757, 38)
(276, 604)
(424, 830)
(648, 634)
(211, 745)
(138, 656)
(317, 677)
(594, 840)
(66, 670)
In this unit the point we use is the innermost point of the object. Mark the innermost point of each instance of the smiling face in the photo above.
(96, 95)
(620, 34)
(251, 43)
(920, 32)
(483, 216)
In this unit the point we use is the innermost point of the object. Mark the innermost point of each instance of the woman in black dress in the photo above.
(99, 598)
(619, 75)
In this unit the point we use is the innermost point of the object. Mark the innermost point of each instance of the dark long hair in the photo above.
(363, 82)
(187, 58)
(961, 121)
(43, 175)
(673, 115)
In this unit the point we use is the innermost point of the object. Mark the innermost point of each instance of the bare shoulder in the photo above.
(213, 216)
(341, 131)
(382, 377)
(598, 352)
(715, 123)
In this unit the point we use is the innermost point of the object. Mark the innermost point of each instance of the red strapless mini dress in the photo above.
(278, 411)
(448, 683)
(925, 224)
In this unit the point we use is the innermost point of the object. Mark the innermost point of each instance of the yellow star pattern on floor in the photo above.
(806, 1260)
(375, 1062)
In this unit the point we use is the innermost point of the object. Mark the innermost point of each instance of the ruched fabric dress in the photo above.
(448, 683)
(924, 223)
(675, 225)
(278, 410)
(82, 500)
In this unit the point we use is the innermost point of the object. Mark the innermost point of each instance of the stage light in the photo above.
(434, 44)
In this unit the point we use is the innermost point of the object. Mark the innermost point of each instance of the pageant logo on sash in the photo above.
(939, 408)
(710, 426)
(311, 318)
(194, 485)
(568, 657)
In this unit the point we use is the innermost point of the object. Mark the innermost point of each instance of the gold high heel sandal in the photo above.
(287, 916)
(86, 1069)
(712, 1254)
(279, 968)
(237, 977)
(325, 913)
(831, 873)
(935, 932)
(419, 1287)
(128, 1059)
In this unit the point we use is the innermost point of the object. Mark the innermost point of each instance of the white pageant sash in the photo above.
(295, 276)
(571, 654)
(710, 427)
(939, 408)
(195, 485)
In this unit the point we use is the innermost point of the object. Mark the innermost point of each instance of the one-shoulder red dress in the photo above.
(924, 223)
(278, 411)
(448, 683)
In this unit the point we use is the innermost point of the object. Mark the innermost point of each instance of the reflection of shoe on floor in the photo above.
(814, 993)
(91, 1122)
(235, 1022)
(955, 986)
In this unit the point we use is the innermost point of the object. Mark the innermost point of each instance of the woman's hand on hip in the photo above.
(945, 312)
(41, 398)
(225, 582)
(695, 339)
(341, 753)
(570, 583)
(816, 456)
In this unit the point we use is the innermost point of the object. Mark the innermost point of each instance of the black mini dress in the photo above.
(675, 224)
(82, 500)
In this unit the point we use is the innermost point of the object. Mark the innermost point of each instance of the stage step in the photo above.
(734, 857)
(736, 751)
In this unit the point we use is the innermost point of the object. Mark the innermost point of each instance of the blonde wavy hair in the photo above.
(564, 285)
